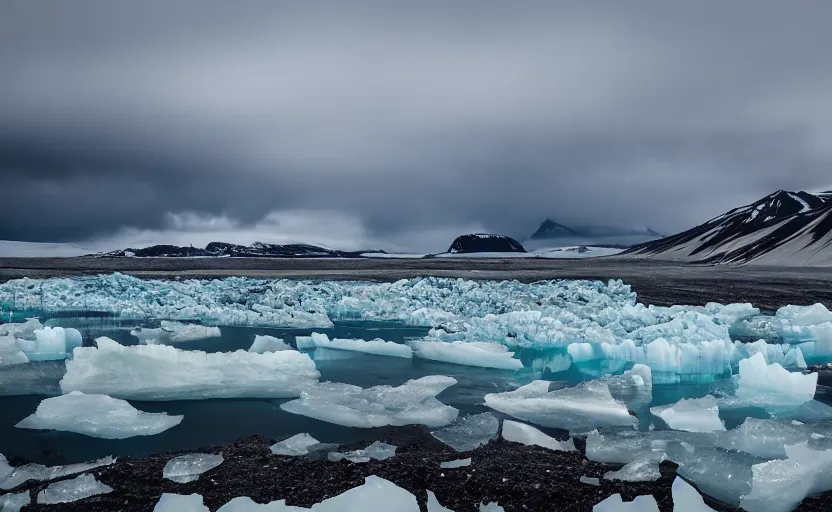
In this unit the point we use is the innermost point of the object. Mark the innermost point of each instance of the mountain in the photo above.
(482, 242)
(551, 229)
(222, 249)
(551, 232)
(783, 228)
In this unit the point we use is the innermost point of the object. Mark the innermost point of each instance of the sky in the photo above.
(401, 124)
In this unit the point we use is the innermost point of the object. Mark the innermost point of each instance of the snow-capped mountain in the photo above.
(783, 228)
(255, 250)
(552, 233)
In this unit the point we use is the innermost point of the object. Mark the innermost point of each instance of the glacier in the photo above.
(175, 332)
(414, 402)
(161, 372)
(74, 489)
(187, 468)
(97, 416)
(378, 346)
(472, 353)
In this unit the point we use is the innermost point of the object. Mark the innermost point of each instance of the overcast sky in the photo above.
(402, 123)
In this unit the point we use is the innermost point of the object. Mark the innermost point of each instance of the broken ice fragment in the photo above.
(377, 451)
(469, 432)
(74, 489)
(581, 408)
(644, 468)
(761, 383)
(434, 505)
(14, 502)
(526, 434)
(376, 494)
(377, 346)
(615, 504)
(767, 438)
(246, 504)
(687, 499)
(22, 474)
(452, 464)
(175, 332)
(264, 344)
(481, 354)
(296, 445)
(590, 481)
(160, 372)
(50, 343)
(491, 507)
(97, 416)
(412, 403)
(180, 503)
(723, 475)
(187, 468)
(691, 415)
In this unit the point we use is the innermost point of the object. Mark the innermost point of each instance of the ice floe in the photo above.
(265, 343)
(376, 451)
(294, 446)
(526, 434)
(761, 383)
(160, 372)
(412, 403)
(377, 346)
(616, 504)
(767, 438)
(469, 432)
(19, 475)
(180, 503)
(686, 498)
(453, 464)
(175, 332)
(74, 489)
(581, 408)
(187, 468)
(97, 416)
(482, 354)
(691, 415)
(14, 502)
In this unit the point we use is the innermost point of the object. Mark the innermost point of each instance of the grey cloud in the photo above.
(411, 117)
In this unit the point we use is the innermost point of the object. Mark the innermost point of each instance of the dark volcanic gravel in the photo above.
(520, 478)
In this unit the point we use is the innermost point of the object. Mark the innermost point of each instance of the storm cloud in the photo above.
(392, 122)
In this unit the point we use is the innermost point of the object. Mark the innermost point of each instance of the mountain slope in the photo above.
(784, 228)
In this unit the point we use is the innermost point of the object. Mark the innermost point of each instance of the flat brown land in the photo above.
(660, 283)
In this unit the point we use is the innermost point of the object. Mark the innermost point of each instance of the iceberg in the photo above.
(187, 468)
(582, 408)
(264, 344)
(14, 502)
(26, 330)
(644, 468)
(378, 347)
(22, 474)
(482, 354)
(180, 503)
(97, 416)
(453, 464)
(530, 436)
(10, 353)
(691, 415)
(761, 383)
(175, 332)
(412, 403)
(780, 485)
(294, 446)
(51, 343)
(376, 494)
(376, 451)
(246, 504)
(469, 432)
(434, 505)
(160, 372)
(686, 498)
(616, 504)
(75, 489)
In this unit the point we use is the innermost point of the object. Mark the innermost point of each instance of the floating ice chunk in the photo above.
(482, 354)
(691, 415)
(804, 315)
(581, 408)
(263, 343)
(765, 438)
(615, 504)
(180, 503)
(772, 384)
(246, 504)
(644, 468)
(50, 343)
(187, 468)
(731, 313)
(376, 451)
(469, 432)
(14, 502)
(634, 387)
(376, 494)
(159, 372)
(794, 359)
(294, 446)
(589, 481)
(74, 489)
(97, 416)
(623, 447)
(25, 330)
(412, 403)
(452, 464)
(10, 353)
(780, 485)
(434, 505)
(687, 499)
(23, 474)
(528, 435)
(724, 475)
(175, 332)
(491, 507)
(377, 346)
